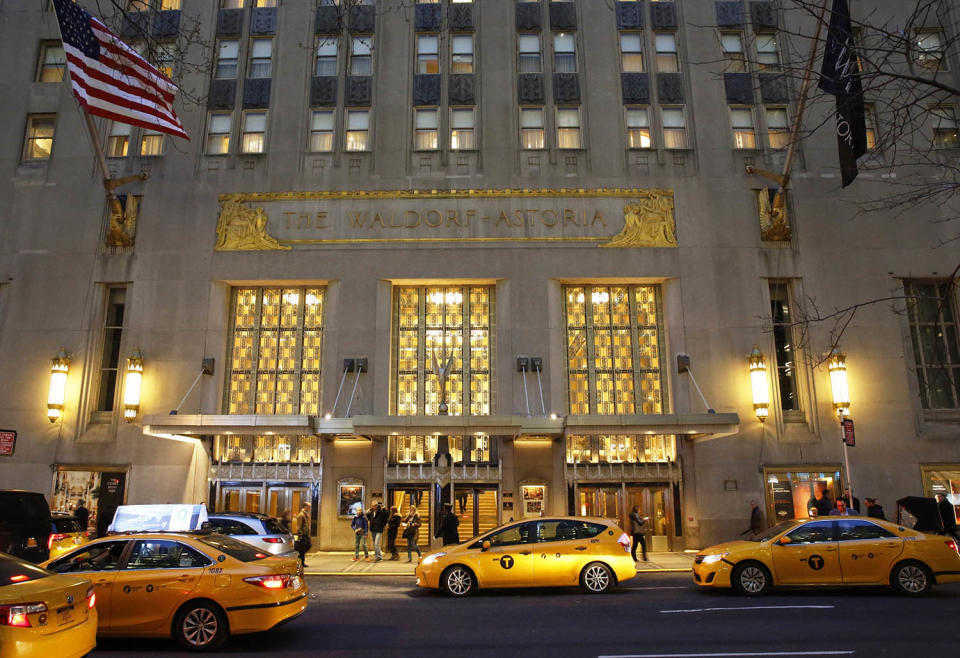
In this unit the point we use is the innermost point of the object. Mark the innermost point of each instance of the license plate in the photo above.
(32, 542)
(76, 540)
(64, 615)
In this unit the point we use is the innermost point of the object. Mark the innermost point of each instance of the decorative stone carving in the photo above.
(563, 16)
(229, 22)
(123, 220)
(327, 20)
(256, 93)
(670, 87)
(426, 89)
(223, 94)
(427, 17)
(323, 91)
(263, 20)
(135, 24)
(663, 15)
(166, 24)
(461, 89)
(636, 87)
(362, 19)
(739, 88)
(359, 90)
(729, 14)
(763, 14)
(460, 16)
(773, 88)
(648, 222)
(566, 88)
(242, 228)
(528, 16)
(530, 87)
(774, 225)
(629, 15)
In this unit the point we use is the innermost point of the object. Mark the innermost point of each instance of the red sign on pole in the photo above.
(8, 441)
(848, 436)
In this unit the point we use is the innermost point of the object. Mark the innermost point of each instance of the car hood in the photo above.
(728, 547)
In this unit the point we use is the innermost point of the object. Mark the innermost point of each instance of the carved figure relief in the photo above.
(774, 226)
(647, 223)
(241, 228)
(123, 222)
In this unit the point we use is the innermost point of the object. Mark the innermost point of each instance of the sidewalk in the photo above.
(337, 563)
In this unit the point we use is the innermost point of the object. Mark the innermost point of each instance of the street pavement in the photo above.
(655, 615)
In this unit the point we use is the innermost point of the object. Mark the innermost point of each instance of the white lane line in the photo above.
(664, 587)
(719, 655)
(754, 607)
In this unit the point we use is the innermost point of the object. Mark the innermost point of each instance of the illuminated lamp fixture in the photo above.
(758, 382)
(131, 389)
(837, 365)
(58, 385)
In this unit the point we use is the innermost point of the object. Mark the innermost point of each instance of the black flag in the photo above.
(839, 76)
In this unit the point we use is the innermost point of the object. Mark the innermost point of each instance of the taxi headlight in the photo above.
(433, 557)
(716, 557)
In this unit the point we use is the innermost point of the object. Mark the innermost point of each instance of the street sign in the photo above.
(8, 442)
(848, 435)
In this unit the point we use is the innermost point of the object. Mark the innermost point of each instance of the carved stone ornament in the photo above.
(774, 225)
(647, 223)
(241, 228)
(123, 221)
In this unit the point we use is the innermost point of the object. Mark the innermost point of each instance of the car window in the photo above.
(515, 534)
(102, 556)
(231, 527)
(772, 532)
(164, 554)
(63, 525)
(812, 533)
(273, 527)
(232, 547)
(21, 506)
(566, 529)
(13, 570)
(850, 529)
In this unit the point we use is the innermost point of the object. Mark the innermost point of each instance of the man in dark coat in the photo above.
(821, 499)
(756, 520)
(378, 517)
(82, 514)
(637, 530)
(448, 526)
(855, 507)
(874, 509)
(948, 514)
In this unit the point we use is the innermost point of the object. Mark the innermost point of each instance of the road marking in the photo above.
(664, 587)
(755, 607)
(719, 655)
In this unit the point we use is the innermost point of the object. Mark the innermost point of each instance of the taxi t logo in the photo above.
(815, 562)
(506, 562)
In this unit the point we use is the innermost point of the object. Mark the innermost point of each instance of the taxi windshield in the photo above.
(15, 571)
(770, 533)
(233, 548)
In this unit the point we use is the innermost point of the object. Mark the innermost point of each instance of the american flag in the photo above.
(110, 79)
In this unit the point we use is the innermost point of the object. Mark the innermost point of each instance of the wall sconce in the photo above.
(837, 365)
(131, 389)
(58, 385)
(758, 382)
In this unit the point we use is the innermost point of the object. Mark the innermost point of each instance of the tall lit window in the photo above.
(326, 57)
(945, 127)
(929, 50)
(138, 5)
(564, 53)
(253, 137)
(614, 338)
(275, 351)
(265, 3)
(531, 127)
(110, 348)
(768, 53)
(638, 128)
(528, 52)
(674, 128)
(932, 312)
(462, 129)
(231, 4)
(426, 132)
(227, 53)
(443, 325)
(321, 131)
(165, 58)
(261, 54)
(53, 62)
(39, 138)
(169, 5)
(358, 130)
(218, 133)
(785, 350)
(428, 58)
(744, 135)
(620, 448)
(731, 45)
(568, 128)
(118, 143)
(361, 62)
(667, 59)
(778, 129)
(631, 52)
(870, 119)
(422, 449)
(151, 142)
(461, 53)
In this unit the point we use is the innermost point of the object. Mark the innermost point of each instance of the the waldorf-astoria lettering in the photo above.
(609, 218)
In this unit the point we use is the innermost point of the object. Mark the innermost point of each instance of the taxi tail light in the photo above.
(16, 615)
(55, 536)
(952, 544)
(91, 598)
(624, 541)
(273, 540)
(269, 582)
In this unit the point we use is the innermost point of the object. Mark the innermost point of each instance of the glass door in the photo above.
(600, 501)
(652, 502)
(281, 500)
(402, 498)
(476, 507)
(240, 499)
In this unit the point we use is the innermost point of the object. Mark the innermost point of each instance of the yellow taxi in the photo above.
(198, 587)
(43, 614)
(845, 550)
(65, 534)
(561, 551)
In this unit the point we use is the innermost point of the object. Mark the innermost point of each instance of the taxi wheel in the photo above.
(458, 581)
(911, 578)
(200, 626)
(596, 578)
(751, 579)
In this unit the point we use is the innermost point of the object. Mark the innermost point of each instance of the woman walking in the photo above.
(393, 525)
(411, 532)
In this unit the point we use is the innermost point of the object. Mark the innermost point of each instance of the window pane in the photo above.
(358, 120)
(255, 122)
(426, 119)
(361, 45)
(321, 121)
(427, 45)
(531, 118)
(666, 43)
(568, 118)
(462, 118)
(731, 43)
(673, 118)
(262, 47)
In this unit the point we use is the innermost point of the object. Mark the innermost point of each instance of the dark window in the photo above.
(936, 348)
(102, 556)
(812, 533)
(234, 548)
(564, 530)
(164, 554)
(515, 534)
(785, 356)
(231, 527)
(19, 507)
(66, 525)
(274, 528)
(110, 359)
(862, 530)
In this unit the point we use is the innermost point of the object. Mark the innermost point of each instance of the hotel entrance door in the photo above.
(476, 507)
(403, 497)
(615, 503)
(240, 499)
(286, 499)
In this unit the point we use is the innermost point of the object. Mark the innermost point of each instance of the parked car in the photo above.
(65, 534)
(259, 530)
(24, 524)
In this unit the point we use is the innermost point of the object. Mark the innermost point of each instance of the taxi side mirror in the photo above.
(783, 541)
(485, 545)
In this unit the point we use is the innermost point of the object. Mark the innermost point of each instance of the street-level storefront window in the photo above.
(620, 448)
(614, 339)
(275, 351)
(422, 449)
(267, 448)
(791, 492)
(447, 328)
(943, 479)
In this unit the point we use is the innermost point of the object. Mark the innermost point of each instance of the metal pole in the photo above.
(339, 388)
(189, 390)
(526, 398)
(846, 462)
(352, 394)
(543, 409)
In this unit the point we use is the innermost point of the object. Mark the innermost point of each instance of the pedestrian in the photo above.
(756, 520)
(411, 532)
(841, 509)
(821, 498)
(855, 508)
(82, 514)
(393, 526)
(948, 515)
(378, 517)
(874, 510)
(301, 523)
(448, 526)
(360, 526)
(637, 529)
(286, 522)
